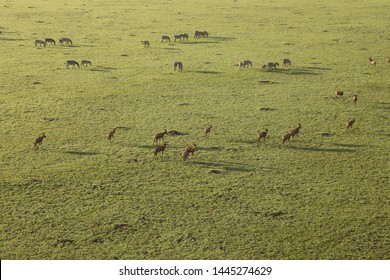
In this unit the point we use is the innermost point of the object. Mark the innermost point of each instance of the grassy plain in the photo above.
(323, 195)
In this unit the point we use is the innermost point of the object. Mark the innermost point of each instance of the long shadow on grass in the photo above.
(225, 165)
(103, 69)
(351, 145)
(316, 149)
(314, 71)
(207, 72)
(81, 153)
(201, 42)
(222, 38)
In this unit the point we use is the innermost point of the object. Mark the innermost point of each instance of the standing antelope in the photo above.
(339, 93)
(286, 62)
(350, 123)
(372, 61)
(178, 65)
(187, 151)
(160, 149)
(159, 136)
(38, 141)
(295, 131)
(261, 135)
(354, 98)
(110, 135)
(207, 131)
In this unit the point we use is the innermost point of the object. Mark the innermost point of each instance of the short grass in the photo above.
(323, 195)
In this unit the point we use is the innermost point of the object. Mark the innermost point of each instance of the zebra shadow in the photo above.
(222, 38)
(225, 165)
(296, 72)
(82, 153)
(103, 69)
(206, 72)
(318, 149)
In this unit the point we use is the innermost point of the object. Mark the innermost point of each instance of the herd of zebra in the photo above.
(269, 66)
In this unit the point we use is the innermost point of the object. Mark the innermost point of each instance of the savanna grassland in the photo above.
(322, 195)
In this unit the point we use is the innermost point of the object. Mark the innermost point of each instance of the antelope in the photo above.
(286, 62)
(110, 135)
(178, 65)
(165, 38)
(245, 63)
(388, 60)
(159, 136)
(187, 151)
(85, 63)
(51, 41)
(372, 61)
(207, 131)
(40, 42)
(73, 63)
(65, 41)
(146, 44)
(295, 131)
(354, 98)
(160, 149)
(339, 93)
(350, 123)
(38, 141)
(286, 137)
(262, 135)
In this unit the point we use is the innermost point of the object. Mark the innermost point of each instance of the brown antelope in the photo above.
(372, 61)
(261, 135)
(350, 123)
(388, 60)
(339, 93)
(295, 131)
(38, 141)
(160, 149)
(354, 98)
(207, 131)
(159, 136)
(286, 137)
(111, 134)
(187, 151)
(178, 65)
(40, 43)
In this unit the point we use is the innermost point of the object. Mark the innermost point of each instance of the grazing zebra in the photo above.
(51, 41)
(178, 65)
(66, 41)
(272, 65)
(73, 63)
(286, 62)
(85, 62)
(166, 38)
(146, 44)
(40, 42)
(184, 36)
(178, 37)
(205, 34)
(245, 63)
(198, 34)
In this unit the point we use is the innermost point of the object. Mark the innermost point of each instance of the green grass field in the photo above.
(322, 195)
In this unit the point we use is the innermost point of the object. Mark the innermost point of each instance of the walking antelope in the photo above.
(159, 136)
(178, 65)
(295, 131)
(40, 43)
(165, 38)
(73, 63)
(111, 134)
(38, 141)
(207, 131)
(187, 151)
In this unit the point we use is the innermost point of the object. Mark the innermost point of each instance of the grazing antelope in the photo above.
(40, 43)
(354, 98)
(339, 93)
(372, 61)
(295, 131)
(350, 123)
(286, 62)
(286, 137)
(110, 135)
(178, 65)
(73, 63)
(51, 41)
(38, 141)
(207, 131)
(159, 136)
(85, 63)
(160, 149)
(245, 63)
(178, 37)
(146, 44)
(165, 38)
(261, 135)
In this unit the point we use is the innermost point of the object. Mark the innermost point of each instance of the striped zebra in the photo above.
(205, 34)
(72, 63)
(165, 38)
(286, 62)
(245, 63)
(146, 44)
(85, 63)
(178, 37)
(51, 41)
(66, 41)
(40, 43)
(178, 65)
(185, 36)
(198, 34)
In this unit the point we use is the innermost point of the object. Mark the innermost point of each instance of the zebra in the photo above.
(66, 41)
(73, 63)
(185, 36)
(178, 37)
(40, 42)
(272, 65)
(85, 62)
(178, 65)
(245, 63)
(205, 34)
(286, 62)
(50, 40)
(198, 34)
(166, 38)
(146, 44)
